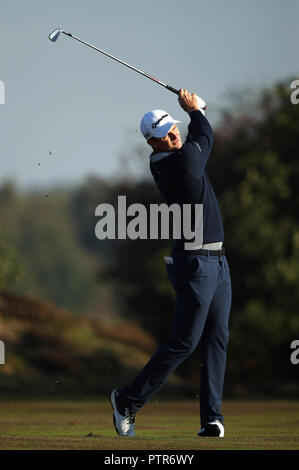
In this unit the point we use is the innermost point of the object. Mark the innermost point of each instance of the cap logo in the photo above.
(155, 124)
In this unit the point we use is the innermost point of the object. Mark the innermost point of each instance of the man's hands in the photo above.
(187, 101)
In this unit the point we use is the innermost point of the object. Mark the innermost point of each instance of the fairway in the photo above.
(270, 425)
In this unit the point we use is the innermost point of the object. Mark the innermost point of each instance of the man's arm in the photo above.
(198, 145)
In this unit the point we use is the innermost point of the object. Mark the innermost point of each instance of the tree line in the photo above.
(48, 246)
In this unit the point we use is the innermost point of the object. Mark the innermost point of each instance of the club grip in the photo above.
(174, 90)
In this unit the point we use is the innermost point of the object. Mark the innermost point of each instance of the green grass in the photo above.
(271, 425)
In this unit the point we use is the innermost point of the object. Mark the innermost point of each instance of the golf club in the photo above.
(56, 33)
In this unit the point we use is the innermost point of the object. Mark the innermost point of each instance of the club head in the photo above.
(54, 35)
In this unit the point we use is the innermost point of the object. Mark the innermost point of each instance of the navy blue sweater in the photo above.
(181, 178)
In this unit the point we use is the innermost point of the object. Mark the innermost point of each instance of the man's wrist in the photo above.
(193, 109)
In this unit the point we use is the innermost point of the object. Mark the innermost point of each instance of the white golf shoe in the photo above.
(212, 429)
(124, 421)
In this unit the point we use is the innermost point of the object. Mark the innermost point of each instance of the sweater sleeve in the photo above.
(197, 147)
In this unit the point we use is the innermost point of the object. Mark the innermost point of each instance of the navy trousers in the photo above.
(203, 301)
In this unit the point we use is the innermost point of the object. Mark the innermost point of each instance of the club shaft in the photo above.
(174, 90)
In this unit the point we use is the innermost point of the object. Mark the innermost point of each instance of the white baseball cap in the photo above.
(156, 123)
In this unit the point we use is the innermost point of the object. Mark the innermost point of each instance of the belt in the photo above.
(205, 252)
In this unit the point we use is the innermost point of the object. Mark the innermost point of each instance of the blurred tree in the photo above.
(10, 265)
(255, 170)
(40, 229)
(83, 203)
(135, 268)
(11, 268)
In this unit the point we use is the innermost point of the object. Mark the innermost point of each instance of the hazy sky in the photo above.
(85, 108)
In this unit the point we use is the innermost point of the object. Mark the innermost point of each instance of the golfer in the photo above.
(200, 277)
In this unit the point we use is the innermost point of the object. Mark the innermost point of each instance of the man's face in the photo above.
(172, 141)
